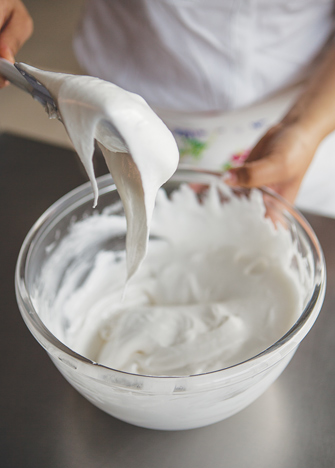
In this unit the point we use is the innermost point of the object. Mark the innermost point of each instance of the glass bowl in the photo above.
(167, 403)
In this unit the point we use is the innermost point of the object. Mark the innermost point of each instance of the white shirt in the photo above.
(203, 55)
(188, 57)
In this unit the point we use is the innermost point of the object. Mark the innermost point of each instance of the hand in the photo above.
(279, 160)
(16, 26)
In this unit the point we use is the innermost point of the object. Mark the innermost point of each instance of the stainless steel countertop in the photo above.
(45, 423)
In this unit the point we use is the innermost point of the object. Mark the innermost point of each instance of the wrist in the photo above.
(312, 127)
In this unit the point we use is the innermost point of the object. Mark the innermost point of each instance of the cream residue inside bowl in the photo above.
(217, 286)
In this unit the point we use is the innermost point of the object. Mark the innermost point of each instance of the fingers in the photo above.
(265, 171)
(16, 28)
(6, 53)
(265, 164)
(281, 155)
(270, 172)
(279, 160)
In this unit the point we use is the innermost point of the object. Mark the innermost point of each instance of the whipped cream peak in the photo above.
(139, 150)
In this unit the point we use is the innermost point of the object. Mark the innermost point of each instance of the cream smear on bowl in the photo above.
(217, 287)
(139, 150)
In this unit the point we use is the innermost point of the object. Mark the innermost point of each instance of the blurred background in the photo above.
(49, 48)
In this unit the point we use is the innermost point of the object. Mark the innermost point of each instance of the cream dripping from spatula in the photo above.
(139, 150)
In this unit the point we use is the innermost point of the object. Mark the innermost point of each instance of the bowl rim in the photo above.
(83, 193)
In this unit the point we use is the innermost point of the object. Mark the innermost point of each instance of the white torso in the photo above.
(203, 55)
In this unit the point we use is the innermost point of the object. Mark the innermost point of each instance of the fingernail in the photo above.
(230, 178)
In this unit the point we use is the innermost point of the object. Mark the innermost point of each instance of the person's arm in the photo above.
(16, 26)
(282, 156)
